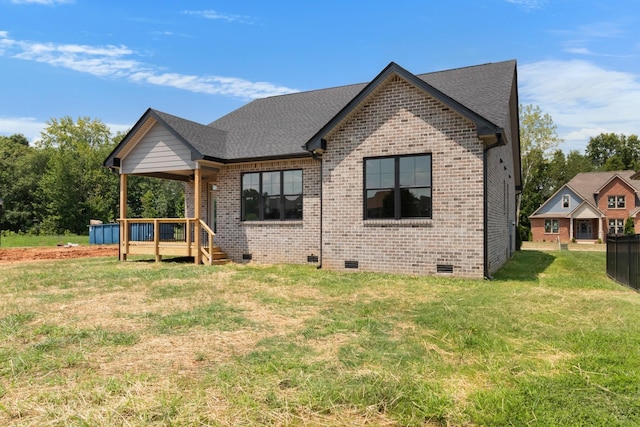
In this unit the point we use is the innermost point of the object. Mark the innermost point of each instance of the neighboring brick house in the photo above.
(588, 207)
(407, 174)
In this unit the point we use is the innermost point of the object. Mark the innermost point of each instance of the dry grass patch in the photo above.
(97, 342)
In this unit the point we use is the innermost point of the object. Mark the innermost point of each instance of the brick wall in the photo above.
(501, 206)
(538, 234)
(400, 119)
(268, 241)
(396, 119)
(616, 188)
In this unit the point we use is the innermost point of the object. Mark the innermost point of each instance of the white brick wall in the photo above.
(397, 119)
(269, 241)
(400, 119)
(501, 209)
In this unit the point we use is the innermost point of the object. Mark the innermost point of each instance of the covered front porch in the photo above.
(585, 224)
(192, 236)
(163, 146)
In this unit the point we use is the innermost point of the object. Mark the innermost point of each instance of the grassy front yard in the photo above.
(551, 341)
(14, 240)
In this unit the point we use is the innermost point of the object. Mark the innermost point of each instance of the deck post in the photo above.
(196, 208)
(156, 239)
(124, 235)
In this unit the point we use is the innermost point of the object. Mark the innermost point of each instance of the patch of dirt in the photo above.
(13, 255)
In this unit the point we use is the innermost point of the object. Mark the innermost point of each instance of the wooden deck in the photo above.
(183, 237)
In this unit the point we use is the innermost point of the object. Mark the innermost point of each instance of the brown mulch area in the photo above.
(57, 252)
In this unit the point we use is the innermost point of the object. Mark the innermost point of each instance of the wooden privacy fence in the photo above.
(623, 259)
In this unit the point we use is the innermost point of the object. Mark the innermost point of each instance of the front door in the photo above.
(585, 229)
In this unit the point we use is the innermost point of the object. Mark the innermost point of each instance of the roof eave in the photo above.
(112, 159)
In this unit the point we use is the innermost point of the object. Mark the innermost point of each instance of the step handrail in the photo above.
(208, 251)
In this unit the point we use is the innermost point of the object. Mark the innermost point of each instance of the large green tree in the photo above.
(538, 139)
(21, 167)
(610, 152)
(75, 186)
(155, 198)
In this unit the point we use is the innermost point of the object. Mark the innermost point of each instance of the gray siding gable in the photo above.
(554, 203)
(158, 151)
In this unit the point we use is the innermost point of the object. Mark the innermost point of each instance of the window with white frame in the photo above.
(616, 226)
(551, 226)
(616, 202)
(565, 201)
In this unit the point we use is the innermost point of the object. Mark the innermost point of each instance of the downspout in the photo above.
(485, 156)
(315, 156)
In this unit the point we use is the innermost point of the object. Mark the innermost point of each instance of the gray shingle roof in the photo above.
(278, 126)
(586, 184)
(485, 89)
(203, 139)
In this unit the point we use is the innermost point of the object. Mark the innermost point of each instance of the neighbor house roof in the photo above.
(279, 126)
(587, 184)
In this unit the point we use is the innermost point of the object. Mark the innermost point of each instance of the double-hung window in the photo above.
(397, 187)
(616, 202)
(551, 226)
(274, 195)
(616, 226)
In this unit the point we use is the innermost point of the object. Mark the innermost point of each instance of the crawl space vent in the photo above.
(312, 258)
(351, 264)
(444, 268)
(247, 257)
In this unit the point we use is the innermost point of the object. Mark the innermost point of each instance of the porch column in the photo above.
(570, 229)
(124, 235)
(600, 234)
(196, 210)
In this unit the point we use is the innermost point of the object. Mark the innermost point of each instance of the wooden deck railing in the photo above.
(187, 237)
(206, 243)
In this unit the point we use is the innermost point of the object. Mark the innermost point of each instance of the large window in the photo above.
(616, 226)
(398, 187)
(273, 195)
(551, 226)
(616, 202)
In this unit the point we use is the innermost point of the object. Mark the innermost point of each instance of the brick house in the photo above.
(588, 207)
(407, 173)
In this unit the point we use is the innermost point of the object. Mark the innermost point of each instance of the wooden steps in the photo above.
(218, 257)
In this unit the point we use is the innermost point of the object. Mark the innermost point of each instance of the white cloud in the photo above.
(212, 14)
(578, 50)
(30, 127)
(118, 62)
(583, 99)
(529, 4)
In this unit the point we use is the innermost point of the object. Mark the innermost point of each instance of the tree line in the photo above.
(59, 184)
(546, 168)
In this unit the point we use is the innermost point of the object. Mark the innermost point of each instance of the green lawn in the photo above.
(550, 341)
(15, 240)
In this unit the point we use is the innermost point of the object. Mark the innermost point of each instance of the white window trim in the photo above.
(616, 201)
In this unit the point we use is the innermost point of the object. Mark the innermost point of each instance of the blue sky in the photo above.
(579, 60)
